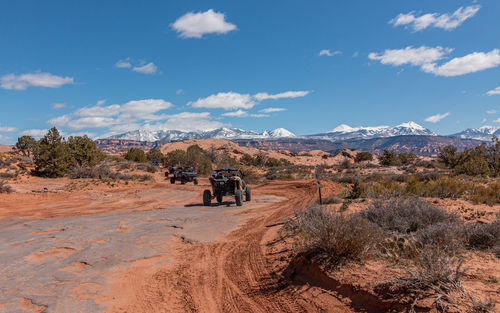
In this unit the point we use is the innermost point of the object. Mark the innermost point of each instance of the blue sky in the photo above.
(103, 67)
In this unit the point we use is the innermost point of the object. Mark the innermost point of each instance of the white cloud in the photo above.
(179, 92)
(491, 111)
(497, 120)
(436, 118)
(138, 66)
(471, 63)
(427, 57)
(81, 134)
(495, 91)
(59, 105)
(225, 100)
(101, 102)
(99, 116)
(445, 21)
(149, 68)
(233, 100)
(39, 79)
(123, 63)
(483, 120)
(272, 110)
(4, 139)
(355, 54)
(258, 115)
(7, 129)
(329, 53)
(239, 113)
(288, 94)
(195, 25)
(186, 121)
(409, 55)
(35, 133)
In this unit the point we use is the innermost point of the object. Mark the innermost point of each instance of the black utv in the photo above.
(183, 174)
(227, 182)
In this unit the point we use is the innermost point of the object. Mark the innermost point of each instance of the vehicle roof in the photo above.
(227, 170)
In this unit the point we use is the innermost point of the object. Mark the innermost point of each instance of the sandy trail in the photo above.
(232, 274)
(85, 251)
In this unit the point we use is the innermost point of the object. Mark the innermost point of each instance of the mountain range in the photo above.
(340, 133)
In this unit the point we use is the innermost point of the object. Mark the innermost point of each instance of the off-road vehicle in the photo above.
(227, 182)
(183, 174)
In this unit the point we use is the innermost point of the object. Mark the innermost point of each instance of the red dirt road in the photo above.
(234, 274)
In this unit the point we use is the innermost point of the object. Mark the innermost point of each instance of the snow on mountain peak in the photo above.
(281, 132)
(342, 128)
(412, 125)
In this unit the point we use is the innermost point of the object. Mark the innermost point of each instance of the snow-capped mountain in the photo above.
(220, 133)
(482, 133)
(344, 132)
(278, 133)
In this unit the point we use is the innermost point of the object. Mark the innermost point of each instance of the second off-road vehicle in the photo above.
(183, 174)
(227, 182)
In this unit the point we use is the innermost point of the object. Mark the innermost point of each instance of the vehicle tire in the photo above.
(196, 181)
(239, 197)
(172, 180)
(219, 199)
(248, 194)
(183, 181)
(207, 198)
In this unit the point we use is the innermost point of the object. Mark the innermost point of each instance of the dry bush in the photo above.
(124, 165)
(289, 172)
(484, 236)
(332, 200)
(489, 194)
(482, 306)
(406, 215)
(446, 187)
(4, 188)
(251, 176)
(436, 270)
(384, 189)
(150, 168)
(345, 179)
(332, 238)
(449, 236)
(105, 174)
(442, 187)
(5, 175)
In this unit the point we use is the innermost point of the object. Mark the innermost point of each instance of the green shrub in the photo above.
(154, 156)
(389, 158)
(247, 159)
(83, 151)
(273, 162)
(482, 160)
(51, 156)
(26, 145)
(136, 155)
(406, 158)
(363, 156)
(194, 156)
